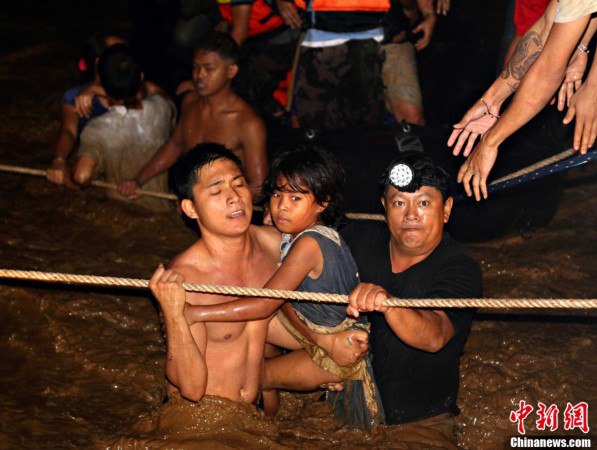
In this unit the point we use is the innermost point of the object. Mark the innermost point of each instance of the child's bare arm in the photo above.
(304, 258)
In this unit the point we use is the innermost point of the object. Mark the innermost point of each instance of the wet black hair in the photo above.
(220, 43)
(186, 171)
(93, 48)
(119, 73)
(426, 173)
(313, 168)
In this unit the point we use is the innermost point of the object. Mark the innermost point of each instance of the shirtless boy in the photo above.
(230, 251)
(212, 112)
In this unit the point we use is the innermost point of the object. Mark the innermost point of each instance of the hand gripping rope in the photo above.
(303, 296)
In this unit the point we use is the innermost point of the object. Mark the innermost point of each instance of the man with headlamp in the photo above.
(415, 351)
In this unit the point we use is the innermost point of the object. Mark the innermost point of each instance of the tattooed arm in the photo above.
(484, 113)
(539, 84)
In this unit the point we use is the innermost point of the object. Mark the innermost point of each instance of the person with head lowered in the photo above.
(212, 112)
(415, 351)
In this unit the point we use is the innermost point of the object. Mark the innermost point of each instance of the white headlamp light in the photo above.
(401, 175)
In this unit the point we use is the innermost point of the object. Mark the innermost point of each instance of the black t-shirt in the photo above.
(415, 384)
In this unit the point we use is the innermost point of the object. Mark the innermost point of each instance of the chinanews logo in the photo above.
(574, 417)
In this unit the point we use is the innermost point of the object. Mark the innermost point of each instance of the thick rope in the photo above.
(540, 165)
(98, 183)
(354, 216)
(304, 296)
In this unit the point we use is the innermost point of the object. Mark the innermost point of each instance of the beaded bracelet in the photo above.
(487, 113)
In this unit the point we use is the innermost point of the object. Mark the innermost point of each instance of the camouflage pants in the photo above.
(263, 63)
(340, 86)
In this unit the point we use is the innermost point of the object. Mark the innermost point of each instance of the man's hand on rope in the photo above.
(129, 188)
(475, 170)
(166, 286)
(58, 174)
(367, 297)
(347, 347)
(477, 120)
(583, 105)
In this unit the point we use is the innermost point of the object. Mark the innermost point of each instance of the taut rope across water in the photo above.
(304, 296)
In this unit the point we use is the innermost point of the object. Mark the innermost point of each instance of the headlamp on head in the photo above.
(401, 175)
(409, 173)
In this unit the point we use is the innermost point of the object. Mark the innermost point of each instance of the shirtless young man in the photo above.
(230, 252)
(220, 358)
(212, 112)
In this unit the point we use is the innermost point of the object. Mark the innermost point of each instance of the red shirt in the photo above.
(526, 13)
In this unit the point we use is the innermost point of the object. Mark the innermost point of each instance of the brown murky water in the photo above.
(84, 368)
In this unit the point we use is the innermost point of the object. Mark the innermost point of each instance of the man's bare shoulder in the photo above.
(189, 101)
(268, 239)
(245, 115)
(191, 264)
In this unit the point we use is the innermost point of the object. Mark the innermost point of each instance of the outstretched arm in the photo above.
(484, 113)
(58, 172)
(537, 87)
(302, 259)
(185, 364)
(161, 161)
(583, 104)
(576, 67)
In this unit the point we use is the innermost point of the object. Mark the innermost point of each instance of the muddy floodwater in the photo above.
(84, 367)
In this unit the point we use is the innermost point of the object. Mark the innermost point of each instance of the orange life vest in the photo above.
(262, 18)
(346, 5)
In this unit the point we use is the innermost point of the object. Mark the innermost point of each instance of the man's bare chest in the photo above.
(197, 129)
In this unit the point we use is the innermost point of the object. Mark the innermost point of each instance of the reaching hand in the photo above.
(573, 80)
(84, 101)
(583, 105)
(426, 26)
(129, 188)
(289, 13)
(477, 120)
(476, 168)
(443, 6)
(166, 286)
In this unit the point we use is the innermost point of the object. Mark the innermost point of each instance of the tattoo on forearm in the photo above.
(526, 52)
(506, 72)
